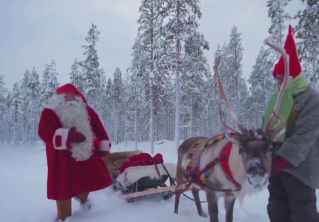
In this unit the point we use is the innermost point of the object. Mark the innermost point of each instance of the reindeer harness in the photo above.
(194, 161)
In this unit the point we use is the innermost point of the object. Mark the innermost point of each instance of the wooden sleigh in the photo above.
(139, 181)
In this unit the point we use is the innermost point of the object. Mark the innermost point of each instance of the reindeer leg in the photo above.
(177, 196)
(229, 206)
(195, 193)
(212, 201)
(179, 179)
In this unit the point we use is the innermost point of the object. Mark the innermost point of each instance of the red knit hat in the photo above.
(70, 88)
(294, 63)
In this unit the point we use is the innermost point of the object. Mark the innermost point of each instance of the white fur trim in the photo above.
(75, 114)
(105, 145)
(63, 133)
(132, 174)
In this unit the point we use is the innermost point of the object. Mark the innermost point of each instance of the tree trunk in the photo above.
(135, 123)
(191, 116)
(177, 92)
(152, 82)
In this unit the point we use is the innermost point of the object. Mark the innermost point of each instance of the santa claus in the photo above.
(75, 139)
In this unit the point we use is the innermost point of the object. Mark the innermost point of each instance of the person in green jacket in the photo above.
(294, 176)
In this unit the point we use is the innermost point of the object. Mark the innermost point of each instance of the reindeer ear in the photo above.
(277, 133)
(234, 139)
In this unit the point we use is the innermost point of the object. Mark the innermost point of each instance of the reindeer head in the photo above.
(255, 146)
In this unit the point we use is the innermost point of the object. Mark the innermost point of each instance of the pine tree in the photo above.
(34, 106)
(195, 70)
(234, 59)
(149, 36)
(136, 99)
(107, 101)
(231, 75)
(307, 31)
(16, 114)
(76, 77)
(311, 70)
(128, 108)
(262, 85)
(91, 73)
(9, 117)
(117, 97)
(3, 110)
(243, 95)
(139, 92)
(278, 17)
(181, 26)
(25, 105)
(49, 83)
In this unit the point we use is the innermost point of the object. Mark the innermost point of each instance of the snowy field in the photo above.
(23, 174)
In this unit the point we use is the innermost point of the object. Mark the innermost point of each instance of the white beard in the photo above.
(74, 114)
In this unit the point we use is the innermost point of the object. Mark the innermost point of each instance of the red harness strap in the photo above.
(223, 159)
(225, 164)
(197, 179)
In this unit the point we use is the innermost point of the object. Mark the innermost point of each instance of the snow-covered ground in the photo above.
(23, 174)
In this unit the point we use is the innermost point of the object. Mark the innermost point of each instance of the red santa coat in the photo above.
(67, 177)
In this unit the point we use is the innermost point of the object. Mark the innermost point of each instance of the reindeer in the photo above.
(230, 165)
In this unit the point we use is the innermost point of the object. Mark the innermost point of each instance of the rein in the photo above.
(171, 179)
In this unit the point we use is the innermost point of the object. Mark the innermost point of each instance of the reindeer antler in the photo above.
(287, 78)
(223, 121)
(221, 89)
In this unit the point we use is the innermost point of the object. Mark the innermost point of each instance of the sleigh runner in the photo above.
(137, 181)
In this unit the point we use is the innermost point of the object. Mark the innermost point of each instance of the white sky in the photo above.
(34, 32)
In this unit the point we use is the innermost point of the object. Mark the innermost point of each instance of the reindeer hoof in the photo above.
(203, 214)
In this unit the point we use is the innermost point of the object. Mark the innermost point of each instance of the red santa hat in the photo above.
(70, 88)
(294, 63)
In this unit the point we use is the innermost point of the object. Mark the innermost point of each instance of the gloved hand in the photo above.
(278, 164)
(96, 144)
(75, 137)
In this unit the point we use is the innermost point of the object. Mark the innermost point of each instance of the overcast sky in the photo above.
(33, 32)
